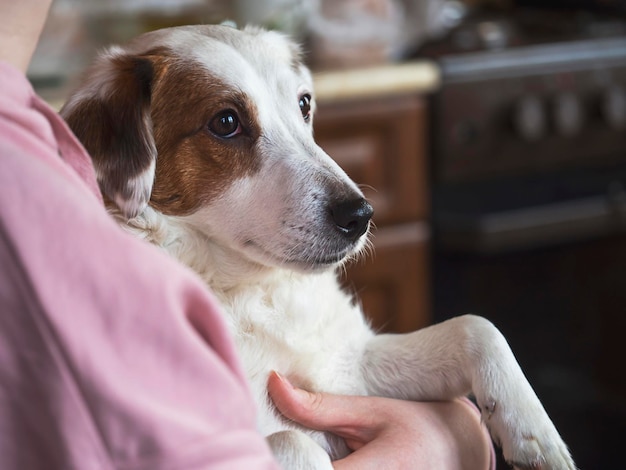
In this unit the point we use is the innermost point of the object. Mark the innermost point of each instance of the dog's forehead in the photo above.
(238, 57)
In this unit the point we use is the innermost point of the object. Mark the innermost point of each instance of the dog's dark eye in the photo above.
(225, 124)
(305, 106)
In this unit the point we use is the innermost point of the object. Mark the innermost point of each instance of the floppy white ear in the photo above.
(110, 115)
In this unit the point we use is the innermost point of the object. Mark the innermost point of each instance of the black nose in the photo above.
(351, 217)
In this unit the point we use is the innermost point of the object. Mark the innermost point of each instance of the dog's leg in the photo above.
(469, 354)
(294, 450)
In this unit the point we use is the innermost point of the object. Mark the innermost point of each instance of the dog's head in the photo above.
(214, 125)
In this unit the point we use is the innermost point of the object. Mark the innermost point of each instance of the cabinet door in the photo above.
(393, 284)
(380, 144)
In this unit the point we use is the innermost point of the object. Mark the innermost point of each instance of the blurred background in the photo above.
(490, 137)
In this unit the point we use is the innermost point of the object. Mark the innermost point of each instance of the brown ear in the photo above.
(110, 115)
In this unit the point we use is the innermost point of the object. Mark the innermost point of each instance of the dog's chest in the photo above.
(302, 326)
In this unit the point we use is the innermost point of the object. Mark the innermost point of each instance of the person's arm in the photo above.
(391, 434)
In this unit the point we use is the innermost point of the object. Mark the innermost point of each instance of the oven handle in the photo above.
(533, 227)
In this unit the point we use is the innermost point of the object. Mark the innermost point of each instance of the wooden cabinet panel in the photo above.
(393, 285)
(380, 144)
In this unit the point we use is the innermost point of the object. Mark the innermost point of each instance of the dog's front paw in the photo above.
(509, 405)
(295, 450)
(528, 438)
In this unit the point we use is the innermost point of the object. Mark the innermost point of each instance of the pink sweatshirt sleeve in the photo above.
(112, 356)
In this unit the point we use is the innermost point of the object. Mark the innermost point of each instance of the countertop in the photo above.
(382, 80)
(397, 78)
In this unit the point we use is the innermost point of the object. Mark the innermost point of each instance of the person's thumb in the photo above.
(347, 416)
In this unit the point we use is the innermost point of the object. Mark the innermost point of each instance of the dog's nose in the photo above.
(352, 217)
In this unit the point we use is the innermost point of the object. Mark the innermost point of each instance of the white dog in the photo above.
(202, 141)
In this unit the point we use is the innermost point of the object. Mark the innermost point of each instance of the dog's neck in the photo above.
(222, 268)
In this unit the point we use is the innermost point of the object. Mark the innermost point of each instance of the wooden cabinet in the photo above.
(380, 143)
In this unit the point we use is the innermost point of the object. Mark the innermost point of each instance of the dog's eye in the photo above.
(305, 106)
(225, 124)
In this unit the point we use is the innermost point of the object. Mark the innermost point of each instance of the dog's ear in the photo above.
(110, 115)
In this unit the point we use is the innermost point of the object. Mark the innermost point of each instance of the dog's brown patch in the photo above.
(157, 105)
(194, 165)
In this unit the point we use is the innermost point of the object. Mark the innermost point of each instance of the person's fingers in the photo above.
(370, 457)
(388, 451)
(446, 435)
(347, 416)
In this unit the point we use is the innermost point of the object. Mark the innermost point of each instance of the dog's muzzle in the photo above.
(351, 218)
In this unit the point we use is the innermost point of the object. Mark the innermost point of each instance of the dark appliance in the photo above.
(528, 135)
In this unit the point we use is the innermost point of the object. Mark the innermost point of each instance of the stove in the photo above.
(528, 181)
(529, 130)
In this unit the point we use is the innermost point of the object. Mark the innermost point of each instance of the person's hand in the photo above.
(390, 434)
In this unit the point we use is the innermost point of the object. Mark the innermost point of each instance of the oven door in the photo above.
(512, 214)
(544, 258)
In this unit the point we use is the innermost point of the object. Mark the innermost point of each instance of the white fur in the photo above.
(139, 189)
(253, 245)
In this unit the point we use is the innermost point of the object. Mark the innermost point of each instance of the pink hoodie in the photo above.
(112, 356)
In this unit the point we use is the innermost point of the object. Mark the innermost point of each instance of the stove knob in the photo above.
(529, 119)
(567, 113)
(613, 107)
